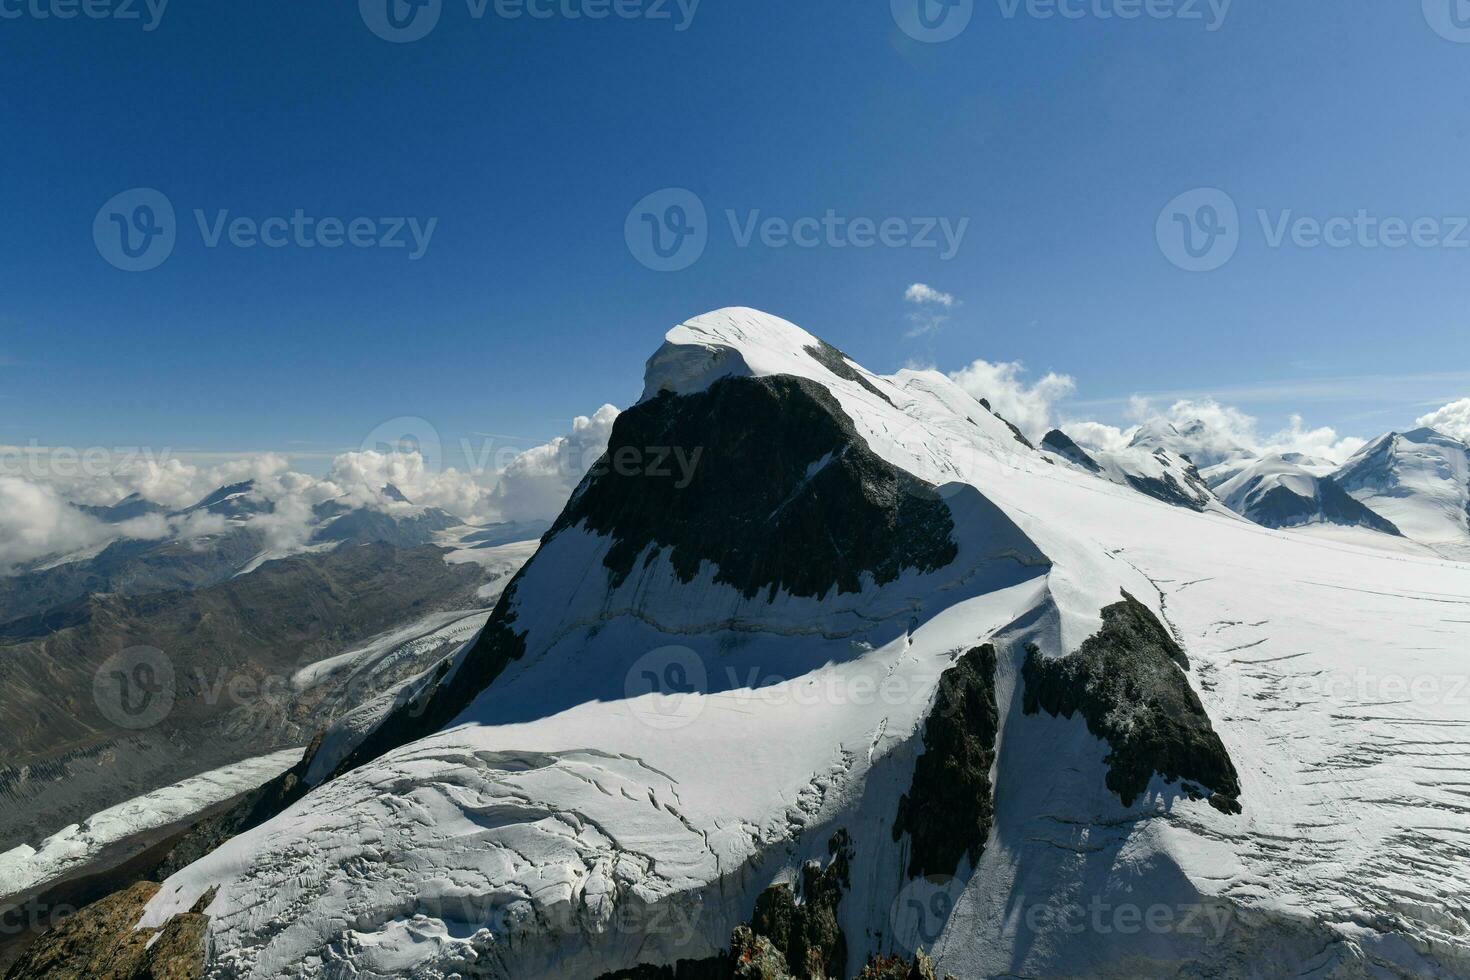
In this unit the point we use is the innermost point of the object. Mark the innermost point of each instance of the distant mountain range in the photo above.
(1408, 485)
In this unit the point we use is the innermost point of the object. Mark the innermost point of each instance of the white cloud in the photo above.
(35, 521)
(922, 293)
(1217, 432)
(1452, 419)
(1028, 406)
(1096, 435)
(39, 487)
(538, 482)
(927, 319)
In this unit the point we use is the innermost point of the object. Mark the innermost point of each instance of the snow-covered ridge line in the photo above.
(26, 869)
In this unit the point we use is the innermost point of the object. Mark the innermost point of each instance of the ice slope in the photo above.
(667, 748)
(1420, 480)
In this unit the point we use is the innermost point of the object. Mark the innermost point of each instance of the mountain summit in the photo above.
(879, 680)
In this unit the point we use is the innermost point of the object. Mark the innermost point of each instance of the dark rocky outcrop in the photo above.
(1064, 446)
(1129, 683)
(898, 968)
(790, 936)
(1015, 432)
(100, 942)
(840, 364)
(948, 810)
(785, 493)
(1187, 489)
(806, 932)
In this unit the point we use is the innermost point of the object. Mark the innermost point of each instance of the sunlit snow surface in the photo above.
(571, 824)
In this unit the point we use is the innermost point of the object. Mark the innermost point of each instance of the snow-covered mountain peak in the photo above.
(1289, 490)
(870, 622)
(1194, 439)
(1420, 480)
(734, 341)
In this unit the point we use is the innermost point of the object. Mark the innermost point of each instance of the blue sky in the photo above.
(528, 141)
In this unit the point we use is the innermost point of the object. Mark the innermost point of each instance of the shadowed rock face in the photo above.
(1186, 490)
(837, 362)
(948, 810)
(785, 494)
(1279, 507)
(1128, 682)
(791, 935)
(1063, 445)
